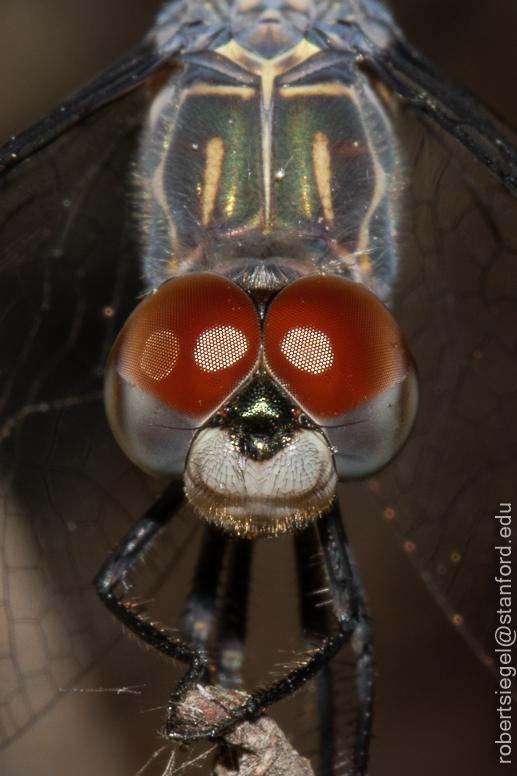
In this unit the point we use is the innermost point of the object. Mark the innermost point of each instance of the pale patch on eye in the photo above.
(160, 354)
(219, 348)
(308, 349)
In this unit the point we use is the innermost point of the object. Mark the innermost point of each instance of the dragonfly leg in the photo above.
(345, 602)
(202, 600)
(233, 621)
(122, 559)
(314, 622)
(218, 547)
(348, 602)
(201, 604)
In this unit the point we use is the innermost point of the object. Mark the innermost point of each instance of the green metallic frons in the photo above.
(261, 420)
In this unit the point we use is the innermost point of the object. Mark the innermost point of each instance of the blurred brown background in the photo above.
(435, 705)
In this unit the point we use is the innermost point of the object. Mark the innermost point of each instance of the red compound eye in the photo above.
(190, 344)
(332, 345)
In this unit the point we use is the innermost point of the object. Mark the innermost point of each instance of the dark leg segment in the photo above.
(122, 559)
(217, 548)
(233, 622)
(314, 620)
(362, 645)
(348, 600)
(202, 601)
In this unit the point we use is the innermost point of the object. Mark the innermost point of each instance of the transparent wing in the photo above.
(456, 300)
(68, 279)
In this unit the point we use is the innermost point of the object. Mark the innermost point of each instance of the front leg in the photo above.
(122, 559)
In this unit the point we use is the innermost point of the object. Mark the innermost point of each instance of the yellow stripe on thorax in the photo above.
(323, 173)
(214, 163)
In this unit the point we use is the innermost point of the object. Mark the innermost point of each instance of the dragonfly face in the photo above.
(240, 404)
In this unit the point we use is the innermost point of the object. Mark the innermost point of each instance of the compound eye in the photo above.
(190, 344)
(183, 351)
(333, 346)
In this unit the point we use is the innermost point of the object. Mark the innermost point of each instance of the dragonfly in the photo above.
(372, 484)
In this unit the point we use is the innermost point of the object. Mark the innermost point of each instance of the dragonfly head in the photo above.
(260, 404)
